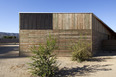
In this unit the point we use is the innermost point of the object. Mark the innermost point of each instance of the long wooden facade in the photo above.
(66, 27)
(100, 32)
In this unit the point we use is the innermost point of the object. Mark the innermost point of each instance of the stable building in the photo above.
(66, 27)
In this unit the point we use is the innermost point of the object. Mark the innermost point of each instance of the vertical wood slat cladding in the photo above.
(80, 24)
(97, 38)
(55, 21)
(36, 21)
(98, 26)
(109, 45)
(99, 33)
(21, 22)
(87, 21)
(30, 25)
(65, 21)
(71, 21)
(60, 21)
(76, 21)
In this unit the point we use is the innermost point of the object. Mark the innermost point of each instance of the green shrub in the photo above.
(9, 37)
(6, 37)
(44, 61)
(81, 51)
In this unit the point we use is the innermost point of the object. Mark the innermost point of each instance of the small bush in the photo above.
(81, 51)
(44, 61)
(9, 37)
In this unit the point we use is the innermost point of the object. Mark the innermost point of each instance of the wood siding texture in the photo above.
(65, 38)
(97, 39)
(109, 45)
(67, 21)
(36, 21)
(98, 26)
(99, 33)
(67, 28)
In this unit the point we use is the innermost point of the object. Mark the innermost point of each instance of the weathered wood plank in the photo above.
(87, 21)
(21, 21)
(65, 21)
(71, 21)
(55, 21)
(76, 21)
(60, 21)
(34, 22)
(80, 21)
(38, 21)
(25, 21)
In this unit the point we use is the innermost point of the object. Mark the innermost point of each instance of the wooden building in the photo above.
(66, 27)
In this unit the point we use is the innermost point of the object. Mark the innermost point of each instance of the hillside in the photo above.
(8, 34)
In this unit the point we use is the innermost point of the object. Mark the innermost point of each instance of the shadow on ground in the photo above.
(9, 51)
(64, 72)
(81, 71)
(86, 70)
(11, 57)
(99, 59)
(106, 53)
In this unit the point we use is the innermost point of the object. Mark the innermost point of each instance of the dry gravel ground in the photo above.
(100, 66)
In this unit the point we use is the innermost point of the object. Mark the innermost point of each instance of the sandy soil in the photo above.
(14, 67)
(100, 66)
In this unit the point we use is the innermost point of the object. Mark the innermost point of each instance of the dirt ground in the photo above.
(11, 65)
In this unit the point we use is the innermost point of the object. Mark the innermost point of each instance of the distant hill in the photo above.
(2, 34)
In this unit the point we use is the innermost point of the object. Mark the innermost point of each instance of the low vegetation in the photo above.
(9, 37)
(81, 51)
(44, 61)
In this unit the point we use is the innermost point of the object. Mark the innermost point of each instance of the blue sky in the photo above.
(9, 10)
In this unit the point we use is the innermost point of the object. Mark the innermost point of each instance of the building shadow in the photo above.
(11, 57)
(106, 53)
(98, 59)
(82, 71)
(9, 51)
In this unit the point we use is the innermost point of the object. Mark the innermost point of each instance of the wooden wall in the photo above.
(109, 45)
(36, 21)
(98, 26)
(67, 28)
(65, 38)
(55, 21)
(99, 33)
(97, 39)
(71, 21)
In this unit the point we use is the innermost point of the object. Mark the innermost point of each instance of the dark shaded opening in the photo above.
(36, 21)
